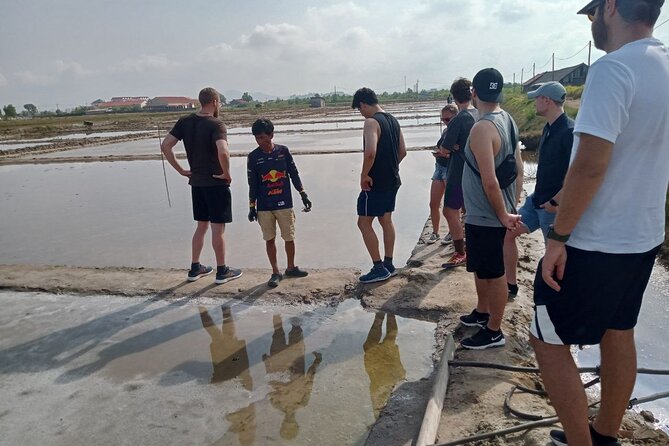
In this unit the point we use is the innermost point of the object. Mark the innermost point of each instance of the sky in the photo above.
(66, 53)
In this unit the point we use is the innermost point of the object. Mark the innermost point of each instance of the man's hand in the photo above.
(224, 176)
(553, 263)
(548, 207)
(305, 201)
(366, 183)
(510, 221)
(253, 214)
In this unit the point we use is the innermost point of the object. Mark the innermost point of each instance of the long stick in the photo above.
(167, 189)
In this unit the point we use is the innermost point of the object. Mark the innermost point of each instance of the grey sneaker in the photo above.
(447, 240)
(433, 238)
(484, 338)
(228, 275)
(193, 275)
(274, 280)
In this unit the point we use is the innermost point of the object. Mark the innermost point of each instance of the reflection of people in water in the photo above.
(292, 388)
(382, 361)
(230, 360)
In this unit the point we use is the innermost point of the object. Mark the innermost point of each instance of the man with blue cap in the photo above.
(554, 151)
(610, 223)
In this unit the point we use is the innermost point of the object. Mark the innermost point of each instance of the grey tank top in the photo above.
(479, 210)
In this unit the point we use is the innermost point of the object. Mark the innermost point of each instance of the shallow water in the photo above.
(116, 214)
(135, 371)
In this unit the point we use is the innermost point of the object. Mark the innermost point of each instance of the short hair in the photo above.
(208, 95)
(645, 11)
(364, 95)
(262, 125)
(451, 108)
(461, 89)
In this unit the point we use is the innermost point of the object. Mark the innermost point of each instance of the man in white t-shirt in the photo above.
(610, 221)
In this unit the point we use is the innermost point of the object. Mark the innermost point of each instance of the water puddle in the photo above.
(203, 372)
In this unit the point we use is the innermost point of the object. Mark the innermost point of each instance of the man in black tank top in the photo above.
(384, 149)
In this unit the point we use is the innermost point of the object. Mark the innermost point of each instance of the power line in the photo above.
(660, 24)
(574, 55)
(547, 62)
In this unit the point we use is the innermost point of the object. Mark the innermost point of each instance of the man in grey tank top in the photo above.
(491, 210)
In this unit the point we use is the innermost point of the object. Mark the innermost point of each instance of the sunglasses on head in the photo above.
(592, 12)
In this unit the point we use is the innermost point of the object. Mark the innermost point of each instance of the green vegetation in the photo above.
(9, 111)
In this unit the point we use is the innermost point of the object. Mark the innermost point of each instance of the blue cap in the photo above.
(553, 90)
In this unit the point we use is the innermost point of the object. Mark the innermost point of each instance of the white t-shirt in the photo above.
(626, 102)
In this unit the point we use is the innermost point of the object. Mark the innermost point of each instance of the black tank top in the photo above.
(385, 171)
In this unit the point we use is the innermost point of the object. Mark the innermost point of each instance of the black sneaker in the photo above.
(274, 280)
(295, 272)
(376, 274)
(475, 319)
(202, 271)
(513, 290)
(484, 338)
(228, 275)
(560, 439)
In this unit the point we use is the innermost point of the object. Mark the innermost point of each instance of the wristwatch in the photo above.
(552, 235)
(553, 202)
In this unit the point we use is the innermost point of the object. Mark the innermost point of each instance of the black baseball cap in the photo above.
(594, 3)
(488, 84)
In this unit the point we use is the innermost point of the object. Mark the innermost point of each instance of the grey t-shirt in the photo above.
(479, 210)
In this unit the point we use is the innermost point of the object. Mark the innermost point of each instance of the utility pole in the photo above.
(589, 51)
(513, 87)
(553, 72)
(533, 65)
(522, 71)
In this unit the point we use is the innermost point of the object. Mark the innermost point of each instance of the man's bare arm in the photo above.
(403, 147)
(371, 133)
(167, 147)
(223, 160)
(520, 168)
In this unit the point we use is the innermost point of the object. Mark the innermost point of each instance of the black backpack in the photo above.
(507, 171)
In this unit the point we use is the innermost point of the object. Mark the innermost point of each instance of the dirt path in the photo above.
(474, 401)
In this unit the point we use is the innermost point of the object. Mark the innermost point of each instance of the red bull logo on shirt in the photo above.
(273, 176)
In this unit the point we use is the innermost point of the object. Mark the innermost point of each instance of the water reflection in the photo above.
(382, 361)
(292, 387)
(230, 359)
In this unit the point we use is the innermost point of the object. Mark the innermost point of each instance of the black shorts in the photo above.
(376, 203)
(485, 251)
(453, 197)
(598, 292)
(212, 203)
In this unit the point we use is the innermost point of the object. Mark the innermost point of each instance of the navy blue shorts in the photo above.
(485, 251)
(453, 197)
(599, 291)
(376, 203)
(212, 203)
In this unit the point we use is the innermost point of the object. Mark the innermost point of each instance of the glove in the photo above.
(253, 214)
(305, 201)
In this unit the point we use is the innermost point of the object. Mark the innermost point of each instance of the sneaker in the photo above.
(560, 439)
(433, 238)
(193, 275)
(376, 274)
(295, 272)
(456, 259)
(475, 319)
(391, 269)
(228, 275)
(513, 290)
(448, 239)
(274, 280)
(484, 338)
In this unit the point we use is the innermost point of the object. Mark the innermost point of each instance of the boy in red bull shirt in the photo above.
(270, 169)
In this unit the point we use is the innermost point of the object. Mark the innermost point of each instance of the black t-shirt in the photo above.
(554, 155)
(385, 171)
(269, 176)
(199, 135)
(457, 132)
(442, 160)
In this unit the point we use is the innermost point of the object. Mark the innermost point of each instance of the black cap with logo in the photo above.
(488, 84)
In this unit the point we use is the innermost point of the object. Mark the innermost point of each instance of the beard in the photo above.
(600, 32)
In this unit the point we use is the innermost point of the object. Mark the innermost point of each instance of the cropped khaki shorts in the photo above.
(269, 219)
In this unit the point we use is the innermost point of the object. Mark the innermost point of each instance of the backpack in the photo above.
(507, 171)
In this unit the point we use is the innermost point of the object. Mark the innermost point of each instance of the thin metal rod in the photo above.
(167, 189)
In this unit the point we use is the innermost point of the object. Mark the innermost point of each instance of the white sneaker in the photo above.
(433, 238)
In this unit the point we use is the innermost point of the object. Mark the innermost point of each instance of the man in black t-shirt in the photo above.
(205, 139)
(270, 169)
(554, 151)
(384, 149)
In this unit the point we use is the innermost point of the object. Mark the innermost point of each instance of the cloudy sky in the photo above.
(71, 52)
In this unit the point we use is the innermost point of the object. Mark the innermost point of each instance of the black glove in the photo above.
(305, 201)
(253, 214)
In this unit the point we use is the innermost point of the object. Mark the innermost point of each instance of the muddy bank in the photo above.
(474, 401)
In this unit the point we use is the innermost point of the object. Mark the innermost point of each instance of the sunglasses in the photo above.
(592, 12)
(446, 120)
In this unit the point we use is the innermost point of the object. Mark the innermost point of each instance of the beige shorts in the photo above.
(269, 219)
